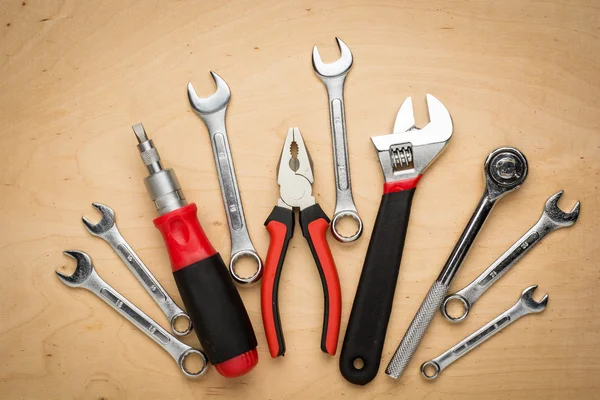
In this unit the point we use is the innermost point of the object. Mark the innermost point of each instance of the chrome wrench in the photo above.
(525, 305)
(212, 110)
(333, 77)
(505, 170)
(85, 276)
(107, 229)
(552, 219)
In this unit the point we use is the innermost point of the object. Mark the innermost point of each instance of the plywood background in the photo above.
(74, 75)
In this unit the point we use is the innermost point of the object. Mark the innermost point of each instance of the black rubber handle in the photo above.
(372, 305)
(216, 309)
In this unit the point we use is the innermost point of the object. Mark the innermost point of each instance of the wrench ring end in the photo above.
(203, 369)
(189, 324)
(436, 368)
(346, 239)
(251, 279)
(465, 303)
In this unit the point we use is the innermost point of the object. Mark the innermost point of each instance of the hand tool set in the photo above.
(214, 308)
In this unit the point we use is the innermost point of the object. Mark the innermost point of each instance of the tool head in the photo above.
(215, 102)
(558, 216)
(408, 151)
(106, 223)
(529, 303)
(83, 271)
(336, 68)
(505, 170)
(295, 172)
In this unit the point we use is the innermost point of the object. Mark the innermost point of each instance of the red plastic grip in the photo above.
(398, 186)
(239, 365)
(185, 239)
(331, 283)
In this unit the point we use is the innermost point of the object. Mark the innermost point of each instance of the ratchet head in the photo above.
(407, 152)
(106, 223)
(334, 69)
(505, 170)
(558, 216)
(526, 300)
(295, 173)
(216, 102)
(83, 271)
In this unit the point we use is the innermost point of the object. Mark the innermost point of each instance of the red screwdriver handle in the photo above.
(314, 223)
(280, 225)
(210, 297)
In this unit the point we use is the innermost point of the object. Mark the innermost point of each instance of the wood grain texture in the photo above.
(74, 75)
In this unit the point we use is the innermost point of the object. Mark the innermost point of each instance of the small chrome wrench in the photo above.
(333, 76)
(552, 219)
(85, 276)
(107, 229)
(212, 110)
(505, 170)
(525, 305)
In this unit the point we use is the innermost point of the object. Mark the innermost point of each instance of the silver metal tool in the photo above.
(333, 76)
(552, 219)
(525, 305)
(85, 276)
(212, 110)
(107, 230)
(505, 170)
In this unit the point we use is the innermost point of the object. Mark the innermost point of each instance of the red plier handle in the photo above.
(314, 224)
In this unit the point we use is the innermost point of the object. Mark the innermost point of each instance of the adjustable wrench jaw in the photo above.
(406, 153)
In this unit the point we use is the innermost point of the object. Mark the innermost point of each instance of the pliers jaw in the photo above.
(295, 173)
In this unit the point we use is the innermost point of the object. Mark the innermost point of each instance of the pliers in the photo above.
(295, 178)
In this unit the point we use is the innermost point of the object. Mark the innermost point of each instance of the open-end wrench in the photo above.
(333, 76)
(552, 219)
(505, 170)
(212, 110)
(85, 276)
(107, 230)
(404, 156)
(525, 305)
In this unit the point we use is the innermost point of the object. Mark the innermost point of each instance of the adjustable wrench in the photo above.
(505, 170)
(107, 230)
(404, 157)
(525, 305)
(333, 77)
(85, 276)
(212, 110)
(552, 219)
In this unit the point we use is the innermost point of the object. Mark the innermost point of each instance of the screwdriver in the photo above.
(212, 301)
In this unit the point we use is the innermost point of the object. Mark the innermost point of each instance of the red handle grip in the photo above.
(314, 224)
(280, 225)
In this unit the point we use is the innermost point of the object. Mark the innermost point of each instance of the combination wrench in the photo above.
(212, 110)
(525, 305)
(552, 219)
(505, 170)
(85, 277)
(333, 77)
(107, 229)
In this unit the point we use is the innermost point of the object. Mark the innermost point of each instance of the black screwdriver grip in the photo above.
(372, 305)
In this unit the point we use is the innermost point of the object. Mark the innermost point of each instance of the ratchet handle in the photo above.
(374, 297)
(210, 297)
(314, 224)
(280, 225)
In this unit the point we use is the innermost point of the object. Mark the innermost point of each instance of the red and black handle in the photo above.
(367, 326)
(314, 224)
(210, 297)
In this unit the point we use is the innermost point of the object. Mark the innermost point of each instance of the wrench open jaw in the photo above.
(339, 67)
(83, 271)
(528, 302)
(105, 224)
(213, 103)
(558, 216)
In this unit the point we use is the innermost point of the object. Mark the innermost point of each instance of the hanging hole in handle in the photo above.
(242, 261)
(351, 223)
(455, 308)
(430, 370)
(181, 324)
(358, 363)
(194, 366)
